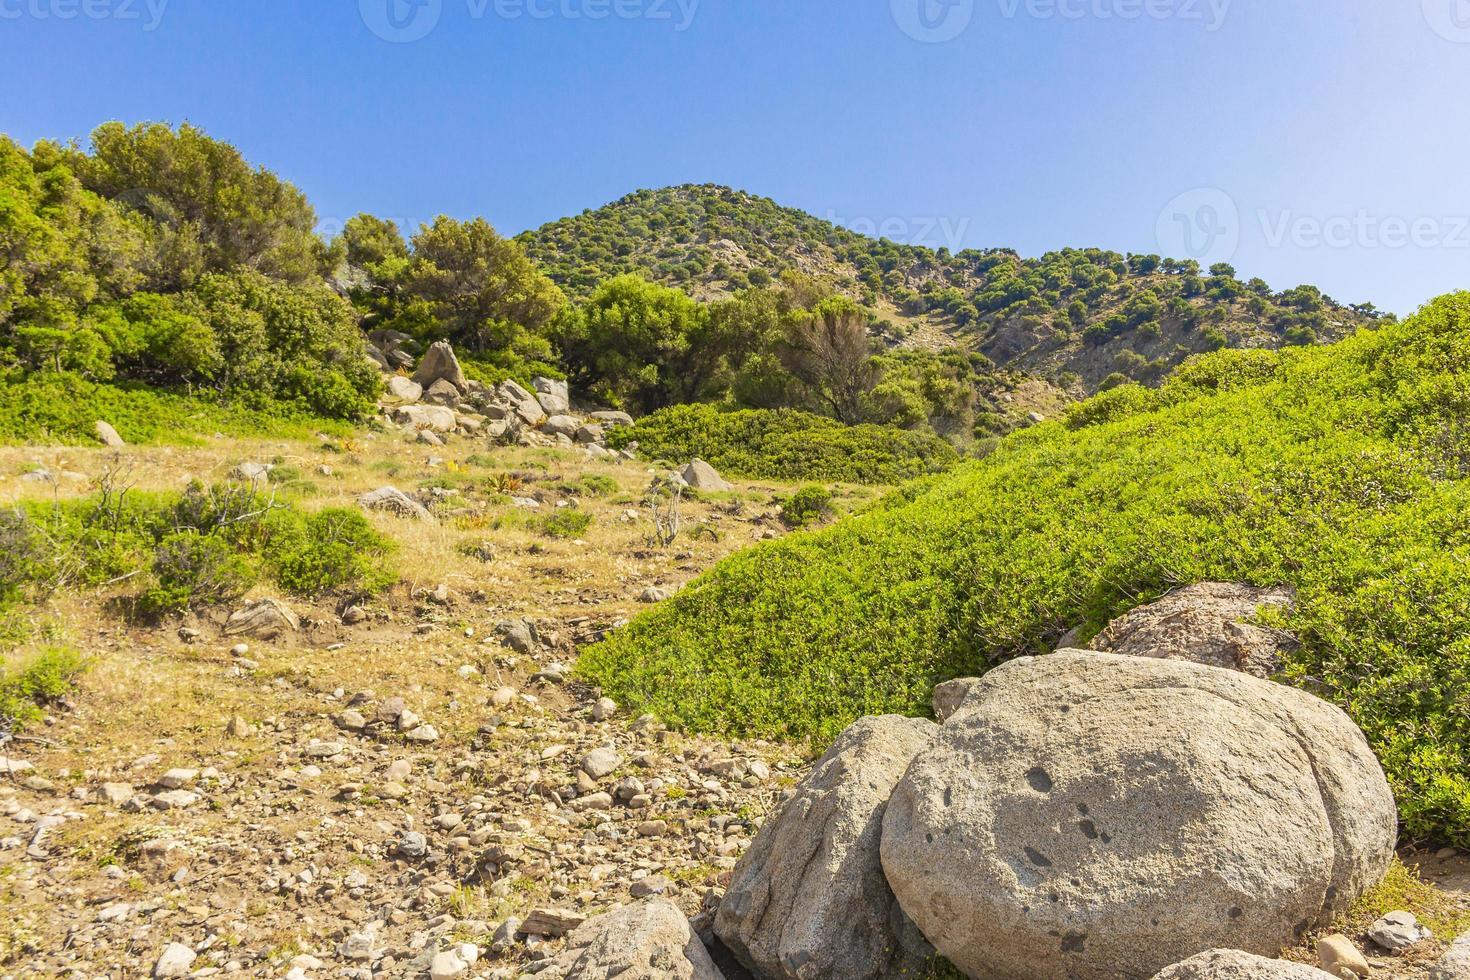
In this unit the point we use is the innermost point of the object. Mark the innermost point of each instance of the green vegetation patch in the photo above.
(1343, 471)
(762, 444)
(27, 688)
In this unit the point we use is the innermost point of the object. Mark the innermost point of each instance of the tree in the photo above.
(639, 342)
(480, 284)
(831, 354)
(211, 210)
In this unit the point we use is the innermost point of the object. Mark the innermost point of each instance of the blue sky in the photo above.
(1306, 141)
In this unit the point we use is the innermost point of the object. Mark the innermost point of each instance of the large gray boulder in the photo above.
(520, 402)
(108, 436)
(395, 502)
(440, 364)
(443, 394)
(1089, 815)
(561, 425)
(405, 390)
(702, 476)
(809, 898)
(1232, 964)
(435, 417)
(554, 396)
(1210, 623)
(651, 940)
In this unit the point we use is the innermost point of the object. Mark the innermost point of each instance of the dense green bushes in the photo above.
(1343, 471)
(27, 688)
(204, 547)
(786, 445)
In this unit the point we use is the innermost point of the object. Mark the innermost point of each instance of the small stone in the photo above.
(1337, 953)
(653, 885)
(601, 762)
(1397, 931)
(238, 727)
(352, 720)
(604, 709)
(652, 828)
(175, 799)
(116, 793)
(424, 734)
(175, 961)
(413, 845)
(550, 923)
(178, 778)
(357, 946)
(503, 697)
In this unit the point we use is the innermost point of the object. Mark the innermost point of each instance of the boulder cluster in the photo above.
(1085, 814)
(438, 401)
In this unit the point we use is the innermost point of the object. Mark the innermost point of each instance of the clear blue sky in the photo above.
(1313, 141)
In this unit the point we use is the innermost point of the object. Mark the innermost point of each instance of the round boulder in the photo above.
(809, 898)
(1232, 964)
(1089, 815)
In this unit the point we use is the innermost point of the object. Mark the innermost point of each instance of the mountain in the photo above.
(1083, 319)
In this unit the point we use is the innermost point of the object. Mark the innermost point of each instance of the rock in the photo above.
(1209, 624)
(453, 962)
(423, 734)
(589, 435)
(809, 899)
(435, 417)
(174, 799)
(443, 393)
(561, 425)
(263, 618)
(252, 473)
(1397, 931)
(601, 762)
(178, 778)
(238, 727)
(396, 502)
(426, 437)
(1455, 963)
(1118, 813)
(521, 402)
(405, 390)
(950, 695)
(174, 962)
(550, 923)
(440, 364)
(1340, 958)
(108, 436)
(413, 845)
(604, 709)
(518, 635)
(612, 419)
(116, 794)
(654, 594)
(1232, 964)
(554, 396)
(358, 946)
(702, 476)
(651, 940)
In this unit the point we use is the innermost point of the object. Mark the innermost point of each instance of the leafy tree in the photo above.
(831, 354)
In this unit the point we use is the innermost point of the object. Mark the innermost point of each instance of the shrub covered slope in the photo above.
(786, 445)
(1341, 470)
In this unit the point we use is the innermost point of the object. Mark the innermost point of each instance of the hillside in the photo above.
(1082, 318)
(1339, 470)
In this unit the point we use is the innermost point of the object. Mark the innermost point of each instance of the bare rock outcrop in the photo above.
(651, 940)
(1232, 964)
(809, 899)
(1210, 623)
(440, 364)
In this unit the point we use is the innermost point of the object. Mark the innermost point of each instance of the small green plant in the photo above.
(334, 549)
(566, 523)
(809, 505)
(193, 570)
(26, 690)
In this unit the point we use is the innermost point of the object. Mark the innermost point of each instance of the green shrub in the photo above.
(786, 445)
(807, 506)
(1343, 471)
(566, 523)
(193, 571)
(45, 679)
(334, 549)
